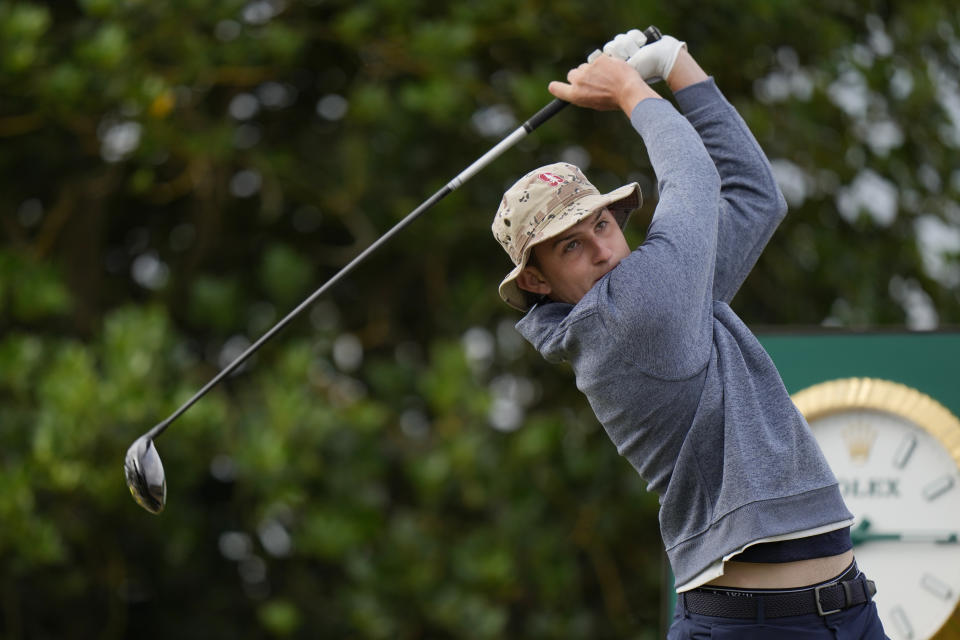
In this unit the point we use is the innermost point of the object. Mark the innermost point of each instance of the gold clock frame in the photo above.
(844, 394)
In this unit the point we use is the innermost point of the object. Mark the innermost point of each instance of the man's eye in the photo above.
(570, 246)
(601, 225)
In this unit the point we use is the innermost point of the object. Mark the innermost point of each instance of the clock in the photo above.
(896, 454)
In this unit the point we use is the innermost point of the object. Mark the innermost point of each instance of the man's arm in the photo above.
(657, 303)
(685, 72)
(751, 205)
(605, 84)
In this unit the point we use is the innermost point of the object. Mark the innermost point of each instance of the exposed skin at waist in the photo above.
(785, 575)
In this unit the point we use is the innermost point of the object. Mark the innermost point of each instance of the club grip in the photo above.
(552, 109)
(651, 33)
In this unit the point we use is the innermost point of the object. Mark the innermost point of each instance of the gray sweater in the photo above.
(683, 388)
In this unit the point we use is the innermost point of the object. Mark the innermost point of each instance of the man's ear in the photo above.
(530, 279)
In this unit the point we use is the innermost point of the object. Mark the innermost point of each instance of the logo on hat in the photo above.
(552, 179)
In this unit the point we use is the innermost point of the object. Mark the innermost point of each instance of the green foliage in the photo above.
(21, 27)
(279, 617)
(284, 275)
(399, 463)
(30, 290)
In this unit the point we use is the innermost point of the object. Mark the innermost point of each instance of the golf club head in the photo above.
(145, 477)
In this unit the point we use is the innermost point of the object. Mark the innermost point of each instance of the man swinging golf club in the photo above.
(753, 522)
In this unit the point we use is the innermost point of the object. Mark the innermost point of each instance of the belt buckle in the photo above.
(816, 599)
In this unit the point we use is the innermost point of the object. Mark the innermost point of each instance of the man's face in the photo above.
(569, 265)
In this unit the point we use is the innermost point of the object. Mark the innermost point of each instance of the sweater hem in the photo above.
(755, 521)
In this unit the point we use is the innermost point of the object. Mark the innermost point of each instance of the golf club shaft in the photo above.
(544, 114)
(522, 131)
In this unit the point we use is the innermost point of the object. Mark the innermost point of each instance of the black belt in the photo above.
(848, 590)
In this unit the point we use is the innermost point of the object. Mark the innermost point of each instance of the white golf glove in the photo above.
(652, 61)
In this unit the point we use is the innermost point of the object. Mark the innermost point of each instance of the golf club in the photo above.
(142, 466)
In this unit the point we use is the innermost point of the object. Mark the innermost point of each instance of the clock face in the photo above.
(903, 487)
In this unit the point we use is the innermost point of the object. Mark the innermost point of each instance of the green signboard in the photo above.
(928, 362)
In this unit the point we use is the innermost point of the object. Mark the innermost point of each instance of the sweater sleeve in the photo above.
(656, 305)
(751, 204)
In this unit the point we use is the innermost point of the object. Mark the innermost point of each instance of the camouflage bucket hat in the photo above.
(545, 203)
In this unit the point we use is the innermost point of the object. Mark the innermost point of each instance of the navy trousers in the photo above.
(856, 623)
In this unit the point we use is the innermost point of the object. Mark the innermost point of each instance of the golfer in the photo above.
(753, 522)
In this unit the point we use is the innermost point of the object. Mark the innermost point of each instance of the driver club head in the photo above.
(144, 473)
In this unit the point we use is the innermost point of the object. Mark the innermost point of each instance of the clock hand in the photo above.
(859, 533)
(936, 538)
(862, 533)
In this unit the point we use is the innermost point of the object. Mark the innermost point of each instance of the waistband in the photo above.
(849, 589)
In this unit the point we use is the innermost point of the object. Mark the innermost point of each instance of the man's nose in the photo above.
(601, 252)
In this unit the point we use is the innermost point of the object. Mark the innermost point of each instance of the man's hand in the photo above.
(666, 59)
(652, 61)
(604, 84)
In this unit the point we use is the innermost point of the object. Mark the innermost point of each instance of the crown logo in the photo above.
(859, 436)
